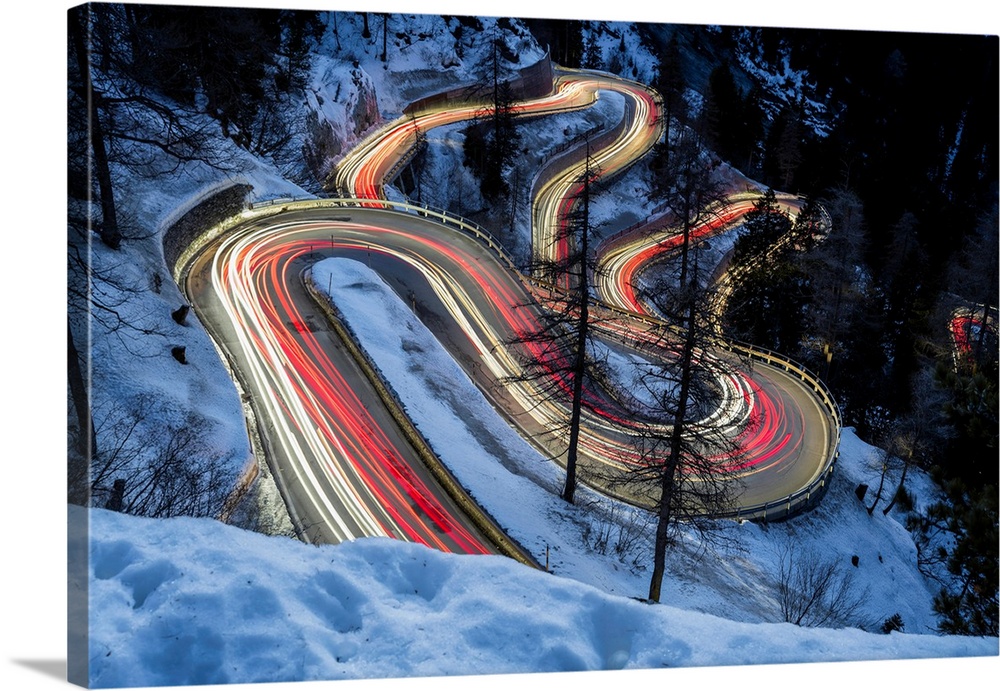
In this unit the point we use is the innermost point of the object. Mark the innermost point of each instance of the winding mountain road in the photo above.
(346, 464)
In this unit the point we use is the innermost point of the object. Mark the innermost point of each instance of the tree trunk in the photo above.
(981, 336)
(86, 442)
(569, 490)
(668, 478)
(881, 481)
(580, 365)
(899, 489)
(878, 493)
(385, 35)
(110, 235)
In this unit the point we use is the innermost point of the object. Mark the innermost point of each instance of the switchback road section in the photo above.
(346, 464)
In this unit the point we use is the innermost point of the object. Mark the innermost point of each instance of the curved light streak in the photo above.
(964, 326)
(331, 441)
(354, 476)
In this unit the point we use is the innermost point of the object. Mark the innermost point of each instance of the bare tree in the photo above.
(85, 115)
(127, 114)
(818, 592)
(85, 448)
(687, 459)
(903, 439)
(150, 468)
(907, 443)
(557, 354)
(896, 438)
(161, 81)
(690, 190)
(620, 529)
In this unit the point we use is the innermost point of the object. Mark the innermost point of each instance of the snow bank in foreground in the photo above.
(188, 601)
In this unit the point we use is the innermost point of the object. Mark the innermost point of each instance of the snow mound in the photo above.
(189, 601)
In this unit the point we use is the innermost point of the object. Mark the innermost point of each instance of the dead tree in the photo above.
(686, 459)
(149, 467)
(818, 592)
(557, 355)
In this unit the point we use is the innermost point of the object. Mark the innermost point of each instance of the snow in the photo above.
(789, 87)
(735, 579)
(241, 607)
(273, 608)
(349, 610)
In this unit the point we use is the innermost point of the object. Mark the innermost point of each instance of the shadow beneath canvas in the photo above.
(50, 668)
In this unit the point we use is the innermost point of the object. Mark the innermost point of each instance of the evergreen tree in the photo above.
(750, 155)
(722, 114)
(784, 149)
(240, 66)
(300, 34)
(592, 58)
(671, 86)
(492, 141)
(972, 414)
(731, 120)
(906, 298)
(968, 605)
(568, 47)
(762, 228)
(835, 268)
(769, 288)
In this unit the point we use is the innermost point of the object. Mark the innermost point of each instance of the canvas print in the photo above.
(410, 346)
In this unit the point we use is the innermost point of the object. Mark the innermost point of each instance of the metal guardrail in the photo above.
(807, 497)
(469, 227)
(810, 495)
(785, 507)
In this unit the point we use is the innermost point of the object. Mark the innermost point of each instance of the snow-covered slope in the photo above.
(186, 601)
(235, 606)
(735, 578)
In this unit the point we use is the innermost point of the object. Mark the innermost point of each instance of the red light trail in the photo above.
(357, 475)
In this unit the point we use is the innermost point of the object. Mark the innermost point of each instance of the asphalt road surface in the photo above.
(343, 461)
